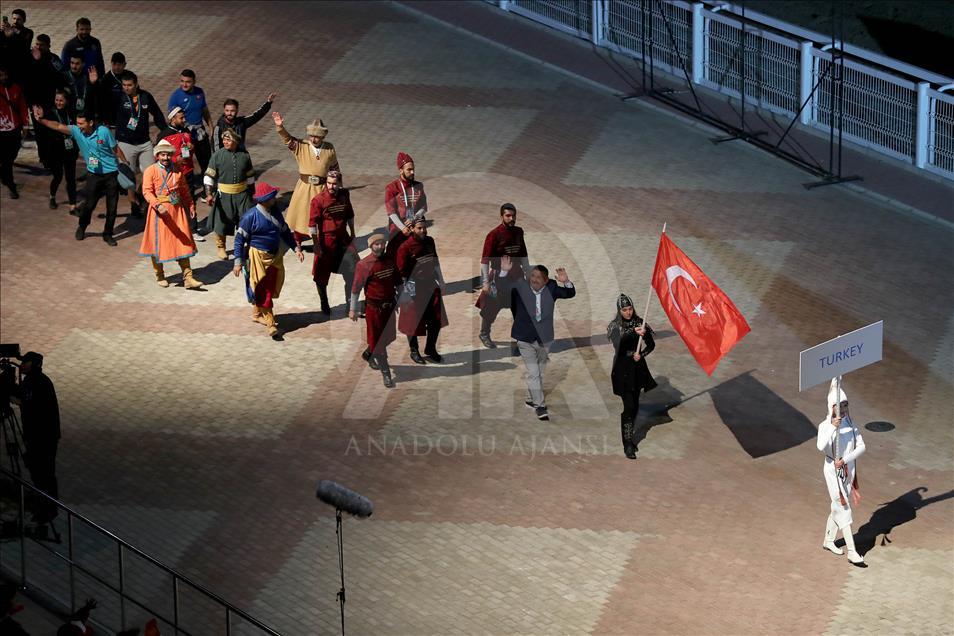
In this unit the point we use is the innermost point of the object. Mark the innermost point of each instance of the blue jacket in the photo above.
(523, 306)
(262, 230)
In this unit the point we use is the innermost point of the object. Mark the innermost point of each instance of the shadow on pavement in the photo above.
(763, 422)
(890, 515)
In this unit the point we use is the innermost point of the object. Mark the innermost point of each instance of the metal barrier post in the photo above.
(596, 22)
(699, 44)
(175, 603)
(806, 82)
(21, 523)
(505, 5)
(228, 622)
(923, 106)
(122, 587)
(69, 542)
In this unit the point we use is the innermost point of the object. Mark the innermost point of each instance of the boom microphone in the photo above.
(334, 494)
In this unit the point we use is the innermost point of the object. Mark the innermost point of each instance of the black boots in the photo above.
(415, 351)
(323, 295)
(430, 346)
(382, 363)
(370, 359)
(628, 430)
(485, 334)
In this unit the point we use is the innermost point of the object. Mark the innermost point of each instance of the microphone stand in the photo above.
(341, 593)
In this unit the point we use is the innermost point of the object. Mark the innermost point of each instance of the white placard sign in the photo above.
(840, 355)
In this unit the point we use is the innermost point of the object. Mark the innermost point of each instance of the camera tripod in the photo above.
(11, 436)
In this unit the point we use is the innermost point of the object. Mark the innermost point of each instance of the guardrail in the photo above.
(894, 108)
(19, 542)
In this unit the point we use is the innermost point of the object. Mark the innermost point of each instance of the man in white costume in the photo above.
(841, 441)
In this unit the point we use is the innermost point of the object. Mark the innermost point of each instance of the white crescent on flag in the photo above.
(672, 273)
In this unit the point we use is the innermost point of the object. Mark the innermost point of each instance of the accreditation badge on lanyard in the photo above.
(185, 152)
(80, 104)
(68, 143)
(133, 122)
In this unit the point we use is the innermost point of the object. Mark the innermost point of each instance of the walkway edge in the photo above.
(853, 187)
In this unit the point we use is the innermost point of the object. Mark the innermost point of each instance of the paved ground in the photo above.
(189, 432)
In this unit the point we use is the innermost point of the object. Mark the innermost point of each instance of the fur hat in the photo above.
(317, 128)
(163, 146)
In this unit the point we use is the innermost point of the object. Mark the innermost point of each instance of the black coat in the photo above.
(628, 374)
(40, 411)
(523, 306)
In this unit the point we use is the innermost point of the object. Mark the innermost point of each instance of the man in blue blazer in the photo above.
(532, 304)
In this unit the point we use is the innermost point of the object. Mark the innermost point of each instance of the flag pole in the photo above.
(649, 297)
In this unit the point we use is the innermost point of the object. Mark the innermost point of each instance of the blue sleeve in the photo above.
(111, 141)
(241, 238)
(286, 235)
(75, 132)
(172, 100)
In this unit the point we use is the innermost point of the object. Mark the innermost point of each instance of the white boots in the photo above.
(831, 530)
(853, 557)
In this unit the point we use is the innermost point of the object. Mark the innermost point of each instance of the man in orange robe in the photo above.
(167, 236)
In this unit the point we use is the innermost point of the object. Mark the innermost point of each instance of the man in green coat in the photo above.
(228, 180)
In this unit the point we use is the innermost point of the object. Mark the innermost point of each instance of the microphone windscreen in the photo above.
(334, 494)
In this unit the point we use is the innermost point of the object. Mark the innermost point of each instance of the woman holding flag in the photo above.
(633, 341)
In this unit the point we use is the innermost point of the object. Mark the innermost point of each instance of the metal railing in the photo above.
(894, 108)
(21, 544)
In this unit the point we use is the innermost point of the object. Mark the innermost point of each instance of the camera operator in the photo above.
(40, 413)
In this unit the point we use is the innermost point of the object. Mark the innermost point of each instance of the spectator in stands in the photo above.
(88, 47)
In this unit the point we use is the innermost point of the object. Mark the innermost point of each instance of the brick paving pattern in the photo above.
(194, 436)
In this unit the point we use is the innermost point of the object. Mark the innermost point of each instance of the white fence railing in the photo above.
(894, 108)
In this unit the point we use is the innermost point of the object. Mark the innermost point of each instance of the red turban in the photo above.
(402, 159)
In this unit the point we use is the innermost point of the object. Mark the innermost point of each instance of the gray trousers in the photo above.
(535, 357)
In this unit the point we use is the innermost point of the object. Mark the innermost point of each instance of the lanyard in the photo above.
(59, 118)
(138, 104)
(85, 87)
(164, 179)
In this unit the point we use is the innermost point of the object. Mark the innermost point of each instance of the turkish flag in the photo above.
(708, 322)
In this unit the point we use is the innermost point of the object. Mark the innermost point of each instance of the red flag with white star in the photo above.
(702, 314)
